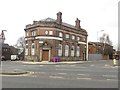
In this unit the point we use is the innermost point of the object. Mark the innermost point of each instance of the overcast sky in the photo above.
(95, 15)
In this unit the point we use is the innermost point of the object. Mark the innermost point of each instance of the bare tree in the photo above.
(20, 44)
(105, 39)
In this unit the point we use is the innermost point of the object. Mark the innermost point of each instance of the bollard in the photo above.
(114, 62)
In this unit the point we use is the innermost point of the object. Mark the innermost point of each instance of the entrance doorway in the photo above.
(45, 55)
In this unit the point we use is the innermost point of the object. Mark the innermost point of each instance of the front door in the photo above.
(45, 55)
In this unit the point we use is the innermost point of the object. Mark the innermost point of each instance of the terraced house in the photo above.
(49, 38)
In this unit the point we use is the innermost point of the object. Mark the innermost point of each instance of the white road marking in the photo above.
(72, 70)
(109, 76)
(83, 74)
(111, 79)
(85, 78)
(63, 73)
(55, 77)
(81, 67)
(42, 72)
(41, 65)
(63, 69)
(92, 65)
(106, 65)
(57, 65)
(72, 65)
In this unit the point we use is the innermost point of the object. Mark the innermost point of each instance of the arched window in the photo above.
(78, 51)
(60, 34)
(33, 49)
(60, 50)
(72, 51)
(66, 50)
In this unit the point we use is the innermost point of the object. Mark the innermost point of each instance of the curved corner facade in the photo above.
(50, 38)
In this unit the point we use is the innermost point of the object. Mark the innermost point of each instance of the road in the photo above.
(96, 74)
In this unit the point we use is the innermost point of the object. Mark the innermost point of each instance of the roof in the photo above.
(63, 23)
(99, 43)
(5, 45)
(48, 20)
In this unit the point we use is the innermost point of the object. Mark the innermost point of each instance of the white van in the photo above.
(14, 57)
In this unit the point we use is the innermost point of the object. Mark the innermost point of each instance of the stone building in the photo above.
(49, 38)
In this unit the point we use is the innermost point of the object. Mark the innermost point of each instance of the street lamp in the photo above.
(1, 42)
(2, 36)
(97, 39)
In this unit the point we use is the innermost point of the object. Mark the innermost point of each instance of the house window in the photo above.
(26, 50)
(27, 34)
(33, 33)
(66, 50)
(60, 34)
(60, 50)
(72, 51)
(33, 49)
(46, 32)
(78, 51)
(67, 36)
(78, 38)
(50, 32)
(84, 39)
(73, 37)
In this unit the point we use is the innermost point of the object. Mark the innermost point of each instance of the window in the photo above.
(46, 32)
(26, 50)
(66, 50)
(27, 34)
(50, 32)
(33, 49)
(33, 33)
(60, 34)
(78, 38)
(84, 39)
(72, 51)
(78, 51)
(67, 36)
(60, 50)
(73, 37)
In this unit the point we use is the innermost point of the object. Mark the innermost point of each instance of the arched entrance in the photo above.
(45, 52)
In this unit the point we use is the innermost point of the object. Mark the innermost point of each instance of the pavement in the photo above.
(54, 63)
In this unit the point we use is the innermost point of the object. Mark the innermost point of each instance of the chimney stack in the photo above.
(77, 25)
(59, 18)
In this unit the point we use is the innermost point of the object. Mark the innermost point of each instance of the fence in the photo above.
(93, 57)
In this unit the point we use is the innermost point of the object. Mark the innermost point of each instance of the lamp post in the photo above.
(97, 39)
(2, 38)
